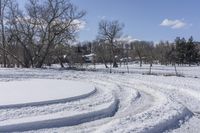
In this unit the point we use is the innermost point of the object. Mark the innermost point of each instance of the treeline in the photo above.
(180, 52)
(43, 34)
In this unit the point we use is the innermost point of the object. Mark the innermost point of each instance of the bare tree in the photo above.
(3, 6)
(141, 50)
(109, 31)
(44, 26)
(127, 56)
(101, 50)
(138, 49)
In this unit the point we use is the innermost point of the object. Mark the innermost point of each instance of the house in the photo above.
(89, 58)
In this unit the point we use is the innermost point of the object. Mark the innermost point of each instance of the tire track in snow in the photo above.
(63, 121)
(117, 91)
(179, 113)
(154, 115)
(197, 114)
(23, 124)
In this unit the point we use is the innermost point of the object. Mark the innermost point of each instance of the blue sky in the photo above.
(151, 20)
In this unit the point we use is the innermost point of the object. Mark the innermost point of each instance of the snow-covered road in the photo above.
(121, 103)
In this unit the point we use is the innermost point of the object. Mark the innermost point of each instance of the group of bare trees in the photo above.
(109, 31)
(42, 34)
(37, 34)
(147, 52)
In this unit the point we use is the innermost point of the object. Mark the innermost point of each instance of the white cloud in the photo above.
(174, 24)
(80, 23)
(128, 39)
(102, 17)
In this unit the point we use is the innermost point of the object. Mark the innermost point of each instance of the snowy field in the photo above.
(28, 92)
(86, 101)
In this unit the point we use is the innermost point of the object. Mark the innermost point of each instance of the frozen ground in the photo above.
(41, 91)
(189, 71)
(120, 103)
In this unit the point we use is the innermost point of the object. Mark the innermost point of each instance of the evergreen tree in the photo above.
(191, 52)
(180, 50)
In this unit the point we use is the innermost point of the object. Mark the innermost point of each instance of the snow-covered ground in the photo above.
(120, 102)
(28, 92)
(189, 71)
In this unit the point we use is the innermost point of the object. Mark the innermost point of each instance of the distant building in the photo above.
(126, 59)
(89, 58)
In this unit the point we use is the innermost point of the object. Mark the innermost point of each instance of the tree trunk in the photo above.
(175, 69)
(140, 61)
(61, 62)
(127, 66)
(3, 34)
(140, 57)
(13, 56)
(150, 68)
(41, 62)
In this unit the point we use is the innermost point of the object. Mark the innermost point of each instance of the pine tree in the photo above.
(180, 50)
(191, 51)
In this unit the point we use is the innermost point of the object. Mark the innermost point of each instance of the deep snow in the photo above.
(121, 102)
(41, 91)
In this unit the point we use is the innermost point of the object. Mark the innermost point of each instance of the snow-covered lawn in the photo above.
(189, 71)
(41, 91)
(117, 102)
